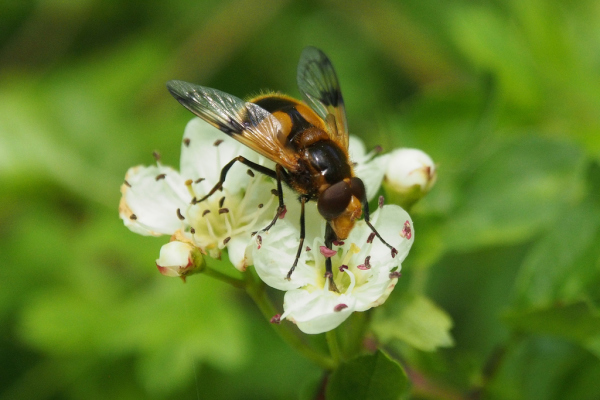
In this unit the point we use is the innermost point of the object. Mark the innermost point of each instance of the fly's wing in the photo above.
(246, 122)
(320, 89)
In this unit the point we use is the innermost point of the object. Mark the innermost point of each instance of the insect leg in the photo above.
(281, 210)
(303, 200)
(227, 167)
(365, 205)
(329, 238)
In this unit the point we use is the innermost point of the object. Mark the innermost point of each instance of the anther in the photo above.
(368, 262)
(192, 231)
(406, 231)
(186, 141)
(308, 248)
(261, 205)
(338, 243)
(221, 201)
(156, 155)
(226, 240)
(189, 182)
(371, 237)
(363, 267)
(160, 176)
(194, 200)
(339, 307)
(327, 252)
(395, 274)
(127, 183)
(381, 199)
(274, 192)
(394, 252)
(259, 241)
(282, 211)
(133, 217)
(378, 149)
(223, 210)
(343, 267)
(218, 142)
(205, 212)
(276, 319)
(249, 172)
(181, 217)
(198, 180)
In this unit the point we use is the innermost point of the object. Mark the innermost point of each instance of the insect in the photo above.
(308, 141)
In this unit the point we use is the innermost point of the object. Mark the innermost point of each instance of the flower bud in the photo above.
(409, 176)
(180, 259)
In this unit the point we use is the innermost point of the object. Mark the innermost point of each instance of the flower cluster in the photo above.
(158, 200)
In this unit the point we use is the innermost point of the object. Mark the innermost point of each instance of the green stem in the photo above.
(238, 283)
(256, 290)
(356, 335)
(334, 347)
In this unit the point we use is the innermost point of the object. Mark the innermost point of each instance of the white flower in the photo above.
(179, 259)
(158, 200)
(364, 270)
(410, 174)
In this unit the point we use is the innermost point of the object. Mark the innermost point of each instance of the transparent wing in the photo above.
(246, 122)
(320, 89)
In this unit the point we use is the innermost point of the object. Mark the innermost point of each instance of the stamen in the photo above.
(217, 142)
(189, 182)
(192, 231)
(181, 217)
(327, 252)
(186, 141)
(406, 231)
(343, 267)
(339, 307)
(194, 200)
(160, 176)
(308, 248)
(260, 205)
(156, 155)
(274, 192)
(133, 217)
(371, 237)
(368, 262)
(395, 274)
(127, 183)
(198, 180)
(205, 212)
(282, 212)
(223, 210)
(338, 243)
(378, 149)
(221, 201)
(249, 172)
(259, 241)
(381, 199)
(276, 319)
(226, 240)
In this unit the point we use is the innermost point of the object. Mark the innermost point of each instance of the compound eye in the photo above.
(358, 189)
(334, 200)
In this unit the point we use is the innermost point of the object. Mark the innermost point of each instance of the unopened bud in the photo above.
(180, 259)
(409, 176)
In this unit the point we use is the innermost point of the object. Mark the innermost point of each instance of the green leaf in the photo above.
(577, 322)
(514, 193)
(561, 265)
(371, 377)
(416, 320)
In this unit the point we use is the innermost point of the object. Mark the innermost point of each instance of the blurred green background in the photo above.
(503, 94)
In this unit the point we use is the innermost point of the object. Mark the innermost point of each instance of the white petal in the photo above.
(200, 158)
(149, 205)
(274, 253)
(369, 169)
(317, 311)
(236, 249)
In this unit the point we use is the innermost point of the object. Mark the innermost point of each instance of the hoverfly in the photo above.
(307, 141)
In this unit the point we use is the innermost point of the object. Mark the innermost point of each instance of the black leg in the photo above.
(227, 167)
(329, 238)
(303, 200)
(281, 209)
(365, 205)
